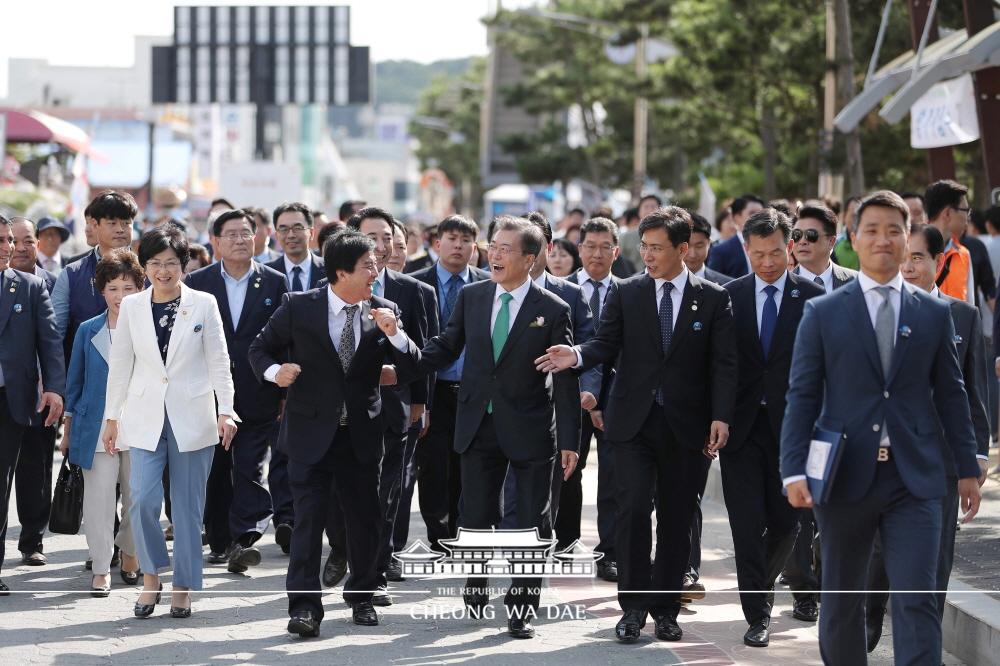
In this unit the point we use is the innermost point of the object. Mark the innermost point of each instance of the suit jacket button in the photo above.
(876, 427)
(164, 380)
(885, 394)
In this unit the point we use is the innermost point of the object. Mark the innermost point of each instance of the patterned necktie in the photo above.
(500, 332)
(346, 351)
(818, 280)
(595, 302)
(885, 329)
(666, 326)
(768, 318)
(297, 278)
(452, 288)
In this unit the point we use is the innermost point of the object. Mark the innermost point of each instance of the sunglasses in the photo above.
(810, 235)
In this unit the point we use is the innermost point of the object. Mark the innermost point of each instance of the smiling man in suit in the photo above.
(670, 406)
(31, 346)
(875, 361)
(508, 414)
(238, 505)
(767, 307)
(335, 340)
(729, 257)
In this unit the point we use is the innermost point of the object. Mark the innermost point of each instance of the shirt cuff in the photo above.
(400, 341)
(271, 373)
(981, 457)
(579, 357)
(69, 415)
(792, 479)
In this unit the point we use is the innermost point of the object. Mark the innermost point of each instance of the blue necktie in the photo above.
(666, 326)
(768, 318)
(595, 302)
(450, 296)
(297, 278)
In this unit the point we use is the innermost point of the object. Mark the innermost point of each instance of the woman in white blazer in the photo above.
(168, 367)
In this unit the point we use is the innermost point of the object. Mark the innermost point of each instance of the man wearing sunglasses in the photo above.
(813, 238)
(947, 205)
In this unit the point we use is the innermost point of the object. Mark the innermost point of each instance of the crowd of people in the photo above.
(307, 375)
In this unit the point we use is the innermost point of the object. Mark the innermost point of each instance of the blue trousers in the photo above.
(188, 480)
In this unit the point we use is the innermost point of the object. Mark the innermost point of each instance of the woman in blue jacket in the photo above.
(117, 275)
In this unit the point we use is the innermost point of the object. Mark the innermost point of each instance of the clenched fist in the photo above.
(386, 320)
(287, 374)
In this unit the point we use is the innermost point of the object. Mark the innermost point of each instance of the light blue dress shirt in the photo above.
(236, 292)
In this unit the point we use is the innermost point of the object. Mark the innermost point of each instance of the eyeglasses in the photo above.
(297, 228)
(170, 265)
(500, 250)
(234, 236)
(594, 248)
(811, 235)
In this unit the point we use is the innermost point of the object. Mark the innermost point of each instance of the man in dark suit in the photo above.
(814, 236)
(729, 257)
(438, 470)
(404, 404)
(767, 307)
(30, 345)
(876, 362)
(335, 339)
(698, 249)
(238, 505)
(670, 406)
(33, 478)
(507, 413)
(925, 257)
(293, 226)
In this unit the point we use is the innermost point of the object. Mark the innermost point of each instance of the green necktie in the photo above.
(500, 331)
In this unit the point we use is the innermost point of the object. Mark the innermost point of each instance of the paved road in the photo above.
(241, 618)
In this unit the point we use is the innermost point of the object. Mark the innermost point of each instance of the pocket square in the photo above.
(197, 328)
(537, 323)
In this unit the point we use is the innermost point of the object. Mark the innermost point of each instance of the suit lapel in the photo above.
(791, 307)
(909, 310)
(525, 315)
(689, 303)
(648, 309)
(319, 317)
(143, 313)
(11, 285)
(222, 298)
(750, 302)
(252, 296)
(858, 311)
(101, 339)
(183, 322)
(368, 327)
(316, 273)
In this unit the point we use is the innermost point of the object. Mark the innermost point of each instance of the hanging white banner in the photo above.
(945, 115)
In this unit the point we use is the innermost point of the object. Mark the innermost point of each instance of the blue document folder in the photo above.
(825, 451)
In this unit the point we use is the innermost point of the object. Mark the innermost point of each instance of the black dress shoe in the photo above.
(35, 559)
(364, 614)
(873, 630)
(667, 629)
(757, 635)
(130, 577)
(518, 628)
(628, 628)
(304, 624)
(381, 597)
(100, 591)
(4, 590)
(215, 557)
(181, 611)
(692, 590)
(89, 564)
(607, 571)
(476, 602)
(394, 573)
(242, 558)
(283, 537)
(145, 610)
(805, 610)
(334, 570)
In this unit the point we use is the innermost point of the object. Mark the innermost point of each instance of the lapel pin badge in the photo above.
(197, 328)
(267, 302)
(904, 331)
(697, 326)
(795, 293)
(17, 307)
(957, 339)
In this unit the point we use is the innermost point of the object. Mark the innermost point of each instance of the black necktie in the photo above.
(818, 280)
(595, 302)
(297, 278)
(666, 326)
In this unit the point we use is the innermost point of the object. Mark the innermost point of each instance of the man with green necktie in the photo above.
(508, 413)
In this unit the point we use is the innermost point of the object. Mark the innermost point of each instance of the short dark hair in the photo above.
(238, 214)
(699, 225)
(672, 219)
(631, 214)
(721, 217)
(599, 225)
(883, 199)
(822, 214)
(293, 207)
(742, 201)
(262, 216)
(112, 205)
(121, 262)
(342, 251)
(911, 195)
(943, 194)
(531, 237)
(221, 201)
(198, 252)
(977, 218)
(457, 223)
(371, 212)
(161, 238)
(765, 222)
(658, 200)
(539, 220)
(932, 238)
(324, 234)
(781, 205)
(992, 217)
(577, 211)
(347, 208)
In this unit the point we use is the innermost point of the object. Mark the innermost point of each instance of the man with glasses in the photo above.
(947, 206)
(74, 297)
(238, 506)
(293, 224)
(813, 238)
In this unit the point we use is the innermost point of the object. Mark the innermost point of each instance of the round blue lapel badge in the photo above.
(696, 326)
(905, 331)
(197, 328)
(795, 293)
(267, 302)
(17, 307)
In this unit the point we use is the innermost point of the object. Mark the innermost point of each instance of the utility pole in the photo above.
(940, 161)
(641, 117)
(979, 16)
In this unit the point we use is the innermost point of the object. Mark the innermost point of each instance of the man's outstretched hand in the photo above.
(556, 359)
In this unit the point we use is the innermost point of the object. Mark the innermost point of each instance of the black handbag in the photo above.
(67, 500)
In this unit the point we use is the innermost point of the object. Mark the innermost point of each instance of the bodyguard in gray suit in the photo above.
(30, 344)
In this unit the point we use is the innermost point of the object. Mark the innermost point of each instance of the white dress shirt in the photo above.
(335, 320)
(540, 281)
(306, 267)
(236, 292)
(51, 264)
(826, 276)
(514, 306)
(761, 295)
(700, 273)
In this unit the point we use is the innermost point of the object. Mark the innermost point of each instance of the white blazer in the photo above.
(141, 387)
